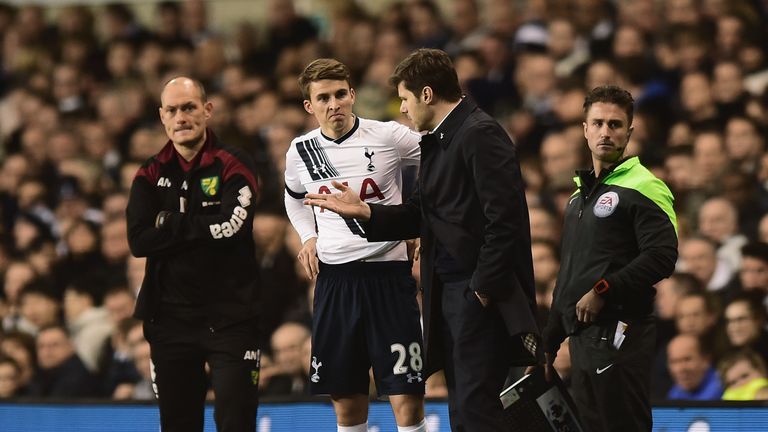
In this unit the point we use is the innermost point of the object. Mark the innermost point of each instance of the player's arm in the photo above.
(406, 143)
(235, 217)
(144, 236)
(302, 217)
(381, 222)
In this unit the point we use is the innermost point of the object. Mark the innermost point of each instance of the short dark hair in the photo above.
(685, 283)
(428, 67)
(711, 303)
(754, 302)
(756, 249)
(613, 95)
(322, 69)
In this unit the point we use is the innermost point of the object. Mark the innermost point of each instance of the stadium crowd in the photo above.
(78, 115)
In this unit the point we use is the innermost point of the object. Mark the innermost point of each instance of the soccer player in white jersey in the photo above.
(365, 310)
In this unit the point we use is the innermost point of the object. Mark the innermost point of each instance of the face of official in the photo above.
(607, 131)
(415, 107)
(331, 101)
(686, 363)
(753, 274)
(740, 324)
(183, 113)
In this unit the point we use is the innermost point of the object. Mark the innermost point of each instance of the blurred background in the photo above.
(79, 91)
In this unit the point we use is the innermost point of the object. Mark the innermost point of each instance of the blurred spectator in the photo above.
(82, 242)
(88, 324)
(281, 288)
(139, 350)
(546, 262)
(10, 377)
(120, 374)
(560, 158)
(753, 274)
(426, 25)
(466, 28)
(698, 256)
(697, 314)
(21, 348)
(718, 221)
(544, 225)
(744, 376)
(39, 307)
(745, 320)
(114, 246)
(287, 373)
(119, 302)
(692, 371)
(61, 373)
(744, 143)
(17, 275)
(669, 292)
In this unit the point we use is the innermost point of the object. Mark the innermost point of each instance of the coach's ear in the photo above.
(308, 107)
(427, 95)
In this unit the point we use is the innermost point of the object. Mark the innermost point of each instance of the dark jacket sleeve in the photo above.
(234, 219)
(143, 238)
(554, 333)
(657, 241)
(491, 159)
(395, 222)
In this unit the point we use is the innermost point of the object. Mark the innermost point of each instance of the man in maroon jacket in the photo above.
(190, 213)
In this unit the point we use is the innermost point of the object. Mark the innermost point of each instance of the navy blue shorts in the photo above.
(366, 315)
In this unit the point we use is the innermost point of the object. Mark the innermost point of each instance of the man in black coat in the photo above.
(62, 373)
(470, 212)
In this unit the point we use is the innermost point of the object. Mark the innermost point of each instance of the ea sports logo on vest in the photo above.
(606, 204)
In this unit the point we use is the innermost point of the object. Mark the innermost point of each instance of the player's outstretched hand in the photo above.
(345, 202)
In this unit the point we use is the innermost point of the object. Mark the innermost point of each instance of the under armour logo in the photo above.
(320, 169)
(412, 378)
(316, 366)
(369, 155)
(441, 135)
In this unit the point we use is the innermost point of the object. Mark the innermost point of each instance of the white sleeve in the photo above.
(407, 143)
(302, 217)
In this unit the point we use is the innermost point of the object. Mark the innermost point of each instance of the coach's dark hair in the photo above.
(428, 68)
(322, 69)
(613, 95)
(196, 83)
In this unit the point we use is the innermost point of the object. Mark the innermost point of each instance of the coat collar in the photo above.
(207, 151)
(445, 132)
(620, 166)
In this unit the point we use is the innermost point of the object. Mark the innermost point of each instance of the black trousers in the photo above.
(476, 360)
(611, 387)
(180, 349)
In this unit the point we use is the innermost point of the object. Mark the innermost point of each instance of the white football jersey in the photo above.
(368, 159)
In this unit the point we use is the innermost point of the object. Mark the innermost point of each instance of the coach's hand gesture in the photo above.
(345, 202)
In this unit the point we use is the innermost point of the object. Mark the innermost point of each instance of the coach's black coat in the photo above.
(471, 199)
